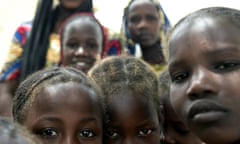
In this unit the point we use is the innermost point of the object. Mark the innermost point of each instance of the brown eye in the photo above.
(47, 133)
(145, 132)
(87, 133)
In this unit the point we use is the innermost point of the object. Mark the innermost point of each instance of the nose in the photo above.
(202, 84)
(129, 141)
(169, 140)
(80, 51)
(70, 139)
(142, 24)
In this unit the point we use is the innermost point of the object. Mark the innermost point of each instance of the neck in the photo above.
(153, 54)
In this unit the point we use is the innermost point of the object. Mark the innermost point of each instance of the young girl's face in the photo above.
(132, 120)
(205, 70)
(65, 114)
(82, 44)
(144, 22)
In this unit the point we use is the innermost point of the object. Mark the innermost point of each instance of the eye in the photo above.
(226, 66)
(145, 132)
(87, 133)
(151, 18)
(47, 133)
(179, 77)
(91, 45)
(72, 45)
(135, 19)
(112, 134)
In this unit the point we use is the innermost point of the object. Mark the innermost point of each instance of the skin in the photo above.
(82, 44)
(144, 23)
(72, 4)
(65, 113)
(132, 121)
(176, 131)
(204, 67)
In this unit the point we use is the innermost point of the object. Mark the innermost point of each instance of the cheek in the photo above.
(177, 98)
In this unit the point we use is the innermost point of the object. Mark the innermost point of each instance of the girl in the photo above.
(130, 90)
(60, 105)
(83, 40)
(30, 53)
(145, 25)
(204, 67)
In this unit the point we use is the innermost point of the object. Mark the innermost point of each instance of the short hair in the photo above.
(29, 88)
(14, 132)
(117, 74)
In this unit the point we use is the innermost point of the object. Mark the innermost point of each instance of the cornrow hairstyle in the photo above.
(35, 50)
(32, 85)
(13, 133)
(116, 74)
(229, 15)
(164, 29)
(95, 20)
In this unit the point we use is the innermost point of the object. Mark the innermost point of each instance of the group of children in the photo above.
(90, 98)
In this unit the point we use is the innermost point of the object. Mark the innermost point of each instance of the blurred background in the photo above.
(109, 12)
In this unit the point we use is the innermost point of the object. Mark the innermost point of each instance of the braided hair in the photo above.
(116, 74)
(13, 133)
(31, 86)
(35, 50)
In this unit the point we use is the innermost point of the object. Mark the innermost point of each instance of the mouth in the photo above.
(206, 112)
(83, 65)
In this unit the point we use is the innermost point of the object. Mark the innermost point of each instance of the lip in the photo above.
(206, 112)
(145, 36)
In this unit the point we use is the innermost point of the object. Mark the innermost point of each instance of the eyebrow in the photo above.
(224, 50)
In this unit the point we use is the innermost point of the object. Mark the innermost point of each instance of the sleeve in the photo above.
(12, 64)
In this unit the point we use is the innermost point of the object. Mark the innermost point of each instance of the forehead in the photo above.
(139, 4)
(83, 24)
(127, 102)
(68, 95)
(203, 34)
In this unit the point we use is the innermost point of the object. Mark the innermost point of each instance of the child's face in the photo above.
(65, 114)
(144, 23)
(132, 120)
(175, 129)
(82, 44)
(205, 70)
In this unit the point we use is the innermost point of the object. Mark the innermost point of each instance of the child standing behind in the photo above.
(60, 105)
(130, 89)
(83, 41)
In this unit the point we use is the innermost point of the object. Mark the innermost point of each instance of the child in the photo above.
(60, 105)
(204, 67)
(11, 133)
(83, 39)
(175, 130)
(130, 90)
(146, 24)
